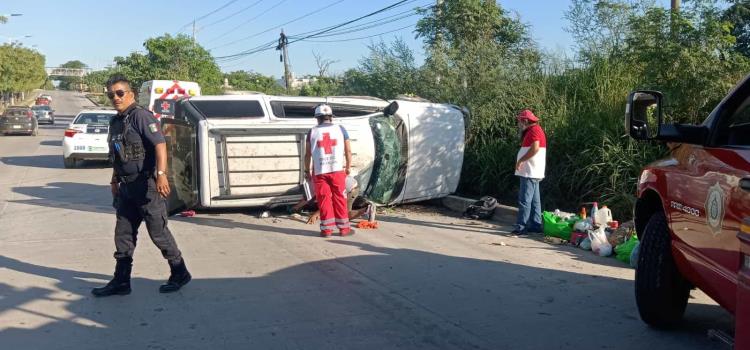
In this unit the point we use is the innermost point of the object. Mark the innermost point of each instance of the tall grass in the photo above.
(589, 156)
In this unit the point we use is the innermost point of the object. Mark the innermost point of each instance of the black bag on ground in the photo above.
(481, 209)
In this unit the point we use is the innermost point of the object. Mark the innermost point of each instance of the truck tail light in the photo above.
(159, 90)
(191, 92)
(71, 132)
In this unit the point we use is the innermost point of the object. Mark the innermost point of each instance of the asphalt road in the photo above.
(423, 280)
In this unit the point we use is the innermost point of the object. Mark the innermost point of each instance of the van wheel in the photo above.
(661, 292)
(69, 163)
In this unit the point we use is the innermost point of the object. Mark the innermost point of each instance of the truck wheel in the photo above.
(661, 292)
(69, 163)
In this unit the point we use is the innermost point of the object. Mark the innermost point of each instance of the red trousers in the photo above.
(330, 192)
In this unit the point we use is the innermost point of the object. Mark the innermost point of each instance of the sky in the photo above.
(94, 32)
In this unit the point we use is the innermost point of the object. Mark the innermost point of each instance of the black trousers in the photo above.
(137, 202)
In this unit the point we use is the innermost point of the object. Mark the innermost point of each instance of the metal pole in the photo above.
(675, 5)
(193, 33)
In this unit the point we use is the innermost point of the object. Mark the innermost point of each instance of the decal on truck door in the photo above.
(715, 208)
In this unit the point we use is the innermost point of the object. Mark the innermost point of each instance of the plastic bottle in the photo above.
(594, 211)
(583, 213)
(603, 216)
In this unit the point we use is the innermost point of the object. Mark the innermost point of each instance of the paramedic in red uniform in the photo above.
(530, 166)
(329, 151)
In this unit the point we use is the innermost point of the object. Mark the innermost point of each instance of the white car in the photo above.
(86, 137)
(248, 150)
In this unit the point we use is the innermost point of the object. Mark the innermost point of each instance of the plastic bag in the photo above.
(599, 244)
(623, 250)
(585, 244)
(555, 226)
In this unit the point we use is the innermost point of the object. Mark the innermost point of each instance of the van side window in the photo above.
(735, 130)
(294, 109)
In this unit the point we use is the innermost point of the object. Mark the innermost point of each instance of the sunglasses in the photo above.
(119, 93)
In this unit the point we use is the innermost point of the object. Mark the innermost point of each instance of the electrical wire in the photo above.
(280, 25)
(359, 38)
(246, 22)
(232, 15)
(328, 29)
(206, 15)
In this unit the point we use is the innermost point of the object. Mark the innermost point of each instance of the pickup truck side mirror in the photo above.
(643, 114)
(644, 121)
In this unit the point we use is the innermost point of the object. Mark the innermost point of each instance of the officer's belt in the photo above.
(134, 177)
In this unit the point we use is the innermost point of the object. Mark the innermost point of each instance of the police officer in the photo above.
(139, 187)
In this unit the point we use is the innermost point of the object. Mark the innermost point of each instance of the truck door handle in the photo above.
(745, 184)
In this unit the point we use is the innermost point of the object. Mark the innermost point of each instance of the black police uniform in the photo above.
(133, 136)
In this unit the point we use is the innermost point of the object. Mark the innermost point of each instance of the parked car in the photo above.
(41, 101)
(18, 120)
(692, 214)
(44, 113)
(48, 97)
(248, 150)
(86, 137)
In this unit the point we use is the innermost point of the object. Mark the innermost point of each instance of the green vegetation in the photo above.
(480, 57)
(21, 70)
(71, 83)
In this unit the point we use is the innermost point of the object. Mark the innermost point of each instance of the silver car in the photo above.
(44, 114)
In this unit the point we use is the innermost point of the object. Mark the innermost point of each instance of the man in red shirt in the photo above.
(530, 166)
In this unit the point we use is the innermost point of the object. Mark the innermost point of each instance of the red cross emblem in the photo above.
(165, 106)
(327, 143)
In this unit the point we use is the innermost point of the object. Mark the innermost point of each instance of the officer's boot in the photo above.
(120, 284)
(178, 277)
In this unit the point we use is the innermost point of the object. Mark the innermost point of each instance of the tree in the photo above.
(322, 86)
(324, 64)
(172, 58)
(738, 14)
(71, 83)
(21, 69)
(251, 81)
(388, 71)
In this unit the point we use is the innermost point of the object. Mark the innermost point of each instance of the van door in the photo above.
(182, 170)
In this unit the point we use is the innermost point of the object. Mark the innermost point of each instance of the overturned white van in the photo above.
(247, 150)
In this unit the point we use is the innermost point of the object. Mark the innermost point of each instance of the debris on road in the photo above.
(187, 213)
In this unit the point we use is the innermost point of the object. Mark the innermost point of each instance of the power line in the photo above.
(206, 15)
(280, 25)
(352, 21)
(359, 38)
(323, 31)
(377, 20)
(246, 22)
(234, 14)
(363, 27)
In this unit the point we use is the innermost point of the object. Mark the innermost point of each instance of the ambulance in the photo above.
(158, 96)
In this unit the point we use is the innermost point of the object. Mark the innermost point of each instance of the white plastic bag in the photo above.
(599, 243)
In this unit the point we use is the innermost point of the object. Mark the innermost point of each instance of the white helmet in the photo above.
(323, 109)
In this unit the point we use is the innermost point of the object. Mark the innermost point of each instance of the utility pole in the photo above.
(675, 5)
(283, 43)
(194, 33)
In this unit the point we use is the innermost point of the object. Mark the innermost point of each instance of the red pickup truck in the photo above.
(692, 214)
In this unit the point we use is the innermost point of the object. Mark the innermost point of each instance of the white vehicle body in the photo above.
(247, 150)
(86, 137)
(155, 92)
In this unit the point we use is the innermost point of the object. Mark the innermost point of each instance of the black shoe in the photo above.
(178, 277)
(120, 284)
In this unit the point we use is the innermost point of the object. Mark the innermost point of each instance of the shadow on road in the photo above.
(50, 162)
(380, 298)
(68, 195)
(56, 143)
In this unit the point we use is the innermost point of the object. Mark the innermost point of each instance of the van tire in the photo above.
(69, 163)
(661, 292)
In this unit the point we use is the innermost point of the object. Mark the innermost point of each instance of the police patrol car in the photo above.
(86, 137)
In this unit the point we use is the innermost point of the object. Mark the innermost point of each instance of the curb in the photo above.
(503, 213)
(91, 100)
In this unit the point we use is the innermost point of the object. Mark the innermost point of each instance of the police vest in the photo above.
(125, 143)
(327, 148)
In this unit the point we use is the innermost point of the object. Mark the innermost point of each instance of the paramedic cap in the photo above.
(528, 115)
(323, 109)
